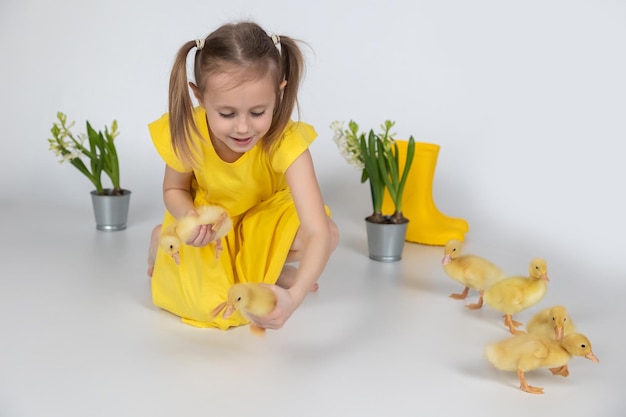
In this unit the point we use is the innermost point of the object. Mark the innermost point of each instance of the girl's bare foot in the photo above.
(288, 277)
(152, 249)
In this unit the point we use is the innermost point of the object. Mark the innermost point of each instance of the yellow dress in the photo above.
(254, 191)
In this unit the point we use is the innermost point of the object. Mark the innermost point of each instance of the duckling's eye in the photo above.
(171, 246)
(238, 298)
(583, 346)
(564, 318)
(553, 319)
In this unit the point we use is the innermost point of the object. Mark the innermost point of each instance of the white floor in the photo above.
(80, 336)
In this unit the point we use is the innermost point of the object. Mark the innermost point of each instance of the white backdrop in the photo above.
(526, 98)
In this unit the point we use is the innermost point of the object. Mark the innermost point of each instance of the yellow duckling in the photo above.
(180, 232)
(552, 321)
(470, 270)
(514, 294)
(527, 352)
(250, 299)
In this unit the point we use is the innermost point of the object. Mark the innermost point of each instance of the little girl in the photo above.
(240, 150)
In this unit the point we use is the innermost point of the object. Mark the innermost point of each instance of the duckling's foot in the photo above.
(531, 389)
(152, 248)
(479, 304)
(524, 385)
(218, 248)
(257, 330)
(514, 331)
(512, 325)
(561, 370)
(219, 222)
(460, 296)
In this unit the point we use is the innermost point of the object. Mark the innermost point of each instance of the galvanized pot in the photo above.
(385, 241)
(110, 211)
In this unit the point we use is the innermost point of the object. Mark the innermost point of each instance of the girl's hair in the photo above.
(243, 48)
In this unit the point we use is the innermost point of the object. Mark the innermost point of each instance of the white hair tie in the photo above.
(199, 44)
(276, 40)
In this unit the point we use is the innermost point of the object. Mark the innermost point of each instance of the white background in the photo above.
(526, 99)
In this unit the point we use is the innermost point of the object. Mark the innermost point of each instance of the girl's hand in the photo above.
(286, 304)
(202, 234)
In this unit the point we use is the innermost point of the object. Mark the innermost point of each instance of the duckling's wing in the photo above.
(533, 353)
(504, 292)
(473, 270)
(186, 226)
(541, 349)
(262, 300)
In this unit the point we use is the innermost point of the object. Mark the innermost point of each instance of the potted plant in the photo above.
(110, 204)
(377, 155)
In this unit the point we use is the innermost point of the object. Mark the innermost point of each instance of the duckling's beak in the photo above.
(445, 260)
(176, 257)
(544, 278)
(229, 310)
(217, 310)
(592, 357)
(558, 333)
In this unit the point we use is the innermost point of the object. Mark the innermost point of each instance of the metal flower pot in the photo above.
(385, 241)
(110, 211)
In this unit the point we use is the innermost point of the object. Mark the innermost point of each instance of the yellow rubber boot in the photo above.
(427, 225)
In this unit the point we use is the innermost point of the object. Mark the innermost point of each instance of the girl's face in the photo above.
(238, 113)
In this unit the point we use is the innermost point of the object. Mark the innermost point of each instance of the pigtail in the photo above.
(181, 107)
(292, 70)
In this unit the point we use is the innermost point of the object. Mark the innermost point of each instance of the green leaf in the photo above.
(100, 150)
(410, 153)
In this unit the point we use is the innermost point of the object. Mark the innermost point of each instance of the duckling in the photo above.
(552, 321)
(180, 232)
(250, 299)
(470, 270)
(514, 294)
(526, 352)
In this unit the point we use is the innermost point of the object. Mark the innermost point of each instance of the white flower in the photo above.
(99, 154)
(348, 144)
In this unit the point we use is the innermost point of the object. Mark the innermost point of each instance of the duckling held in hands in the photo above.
(514, 294)
(470, 270)
(211, 214)
(526, 352)
(250, 299)
(181, 231)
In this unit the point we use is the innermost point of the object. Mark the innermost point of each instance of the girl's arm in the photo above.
(177, 192)
(178, 201)
(313, 241)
